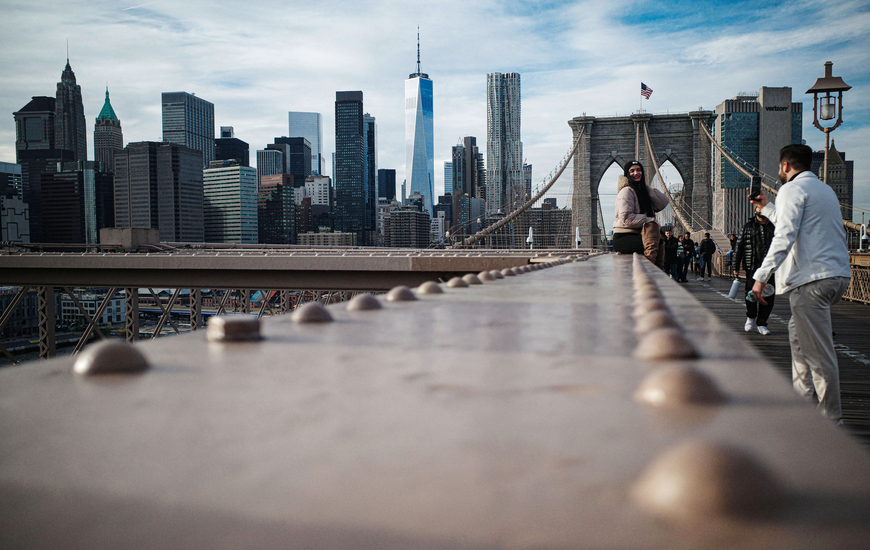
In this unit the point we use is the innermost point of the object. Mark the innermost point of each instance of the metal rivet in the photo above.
(655, 320)
(485, 276)
(497, 274)
(517, 270)
(456, 282)
(312, 312)
(508, 272)
(664, 344)
(472, 279)
(430, 287)
(400, 294)
(647, 294)
(110, 357)
(233, 328)
(647, 306)
(700, 480)
(363, 302)
(678, 385)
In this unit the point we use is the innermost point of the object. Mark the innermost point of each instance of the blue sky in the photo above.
(257, 60)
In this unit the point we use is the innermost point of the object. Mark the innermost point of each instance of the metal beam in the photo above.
(131, 314)
(47, 321)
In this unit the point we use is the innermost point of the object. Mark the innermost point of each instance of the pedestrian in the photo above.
(729, 257)
(705, 251)
(671, 245)
(681, 259)
(689, 247)
(634, 226)
(811, 260)
(751, 248)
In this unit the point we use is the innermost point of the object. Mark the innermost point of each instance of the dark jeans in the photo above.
(754, 310)
(707, 261)
(672, 270)
(685, 273)
(627, 243)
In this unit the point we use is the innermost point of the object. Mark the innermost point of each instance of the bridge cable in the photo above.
(652, 157)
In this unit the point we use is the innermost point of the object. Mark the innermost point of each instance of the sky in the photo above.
(257, 60)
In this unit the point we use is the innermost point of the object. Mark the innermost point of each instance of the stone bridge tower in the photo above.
(676, 138)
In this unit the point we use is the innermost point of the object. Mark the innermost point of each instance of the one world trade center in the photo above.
(419, 148)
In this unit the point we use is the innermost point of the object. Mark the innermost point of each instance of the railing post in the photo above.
(246, 301)
(47, 345)
(285, 301)
(195, 308)
(131, 314)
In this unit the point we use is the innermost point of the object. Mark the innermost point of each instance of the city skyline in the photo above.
(575, 57)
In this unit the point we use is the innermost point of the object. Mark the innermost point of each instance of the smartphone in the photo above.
(755, 188)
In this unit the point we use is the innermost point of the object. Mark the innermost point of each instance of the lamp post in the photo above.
(826, 106)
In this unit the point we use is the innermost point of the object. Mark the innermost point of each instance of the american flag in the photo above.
(645, 90)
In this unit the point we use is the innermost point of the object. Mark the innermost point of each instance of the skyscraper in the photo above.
(840, 176)
(74, 198)
(229, 203)
(419, 141)
(504, 149)
(386, 184)
(309, 126)
(469, 181)
(370, 185)
(189, 120)
(297, 160)
(159, 185)
(276, 209)
(229, 147)
(70, 131)
(108, 138)
(350, 153)
(448, 177)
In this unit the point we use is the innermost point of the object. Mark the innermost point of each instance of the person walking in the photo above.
(705, 251)
(689, 247)
(811, 259)
(749, 252)
(671, 245)
(634, 226)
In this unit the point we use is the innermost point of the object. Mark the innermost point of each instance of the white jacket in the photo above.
(809, 242)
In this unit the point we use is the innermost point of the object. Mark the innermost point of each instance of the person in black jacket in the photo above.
(671, 261)
(689, 248)
(751, 249)
(706, 250)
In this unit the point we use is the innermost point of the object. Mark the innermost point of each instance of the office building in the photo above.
(840, 177)
(297, 157)
(407, 226)
(78, 199)
(271, 161)
(229, 203)
(752, 128)
(370, 175)
(159, 185)
(504, 148)
(35, 152)
(10, 175)
(189, 120)
(70, 131)
(448, 176)
(444, 209)
(113, 314)
(276, 209)
(23, 321)
(334, 238)
(419, 135)
(468, 180)
(350, 156)
(108, 137)
(386, 184)
(229, 147)
(319, 189)
(14, 213)
(309, 126)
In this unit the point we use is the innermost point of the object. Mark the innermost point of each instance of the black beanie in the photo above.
(628, 166)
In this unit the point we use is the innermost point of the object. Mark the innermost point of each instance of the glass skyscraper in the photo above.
(189, 120)
(350, 154)
(419, 141)
(230, 203)
(504, 149)
(309, 126)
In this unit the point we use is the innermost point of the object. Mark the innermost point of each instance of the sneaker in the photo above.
(763, 330)
(750, 324)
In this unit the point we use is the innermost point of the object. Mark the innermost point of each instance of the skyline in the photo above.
(574, 58)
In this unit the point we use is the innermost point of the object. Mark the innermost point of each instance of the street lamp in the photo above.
(826, 106)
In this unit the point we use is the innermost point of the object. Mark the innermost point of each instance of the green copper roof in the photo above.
(107, 112)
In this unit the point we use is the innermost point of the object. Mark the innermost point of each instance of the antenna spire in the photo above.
(418, 50)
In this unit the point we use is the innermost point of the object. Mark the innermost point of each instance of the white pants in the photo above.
(813, 358)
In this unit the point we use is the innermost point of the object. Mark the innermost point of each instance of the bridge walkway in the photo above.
(850, 320)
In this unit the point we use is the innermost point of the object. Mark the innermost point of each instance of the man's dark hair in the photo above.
(706, 234)
(800, 157)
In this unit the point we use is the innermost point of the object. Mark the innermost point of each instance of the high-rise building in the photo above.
(504, 148)
(108, 137)
(10, 176)
(309, 126)
(448, 177)
(407, 227)
(370, 176)
(229, 203)
(76, 199)
(840, 177)
(189, 120)
(419, 136)
(271, 161)
(386, 184)
(276, 209)
(469, 180)
(14, 212)
(319, 189)
(753, 128)
(297, 159)
(229, 147)
(70, 131)
(35, 152)
(159, 185)
(350, 155)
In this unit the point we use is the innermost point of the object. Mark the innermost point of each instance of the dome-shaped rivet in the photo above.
(664, 344)
(472, 279)
(110, 357)
(430, 287)
(678, 385)
(518, 270)
(233, 328)
(655, 320)
(508, 272)
(497, 274)
(400, 294)
(456, 282)
(312, 312)
(363, 302)
(485, 276)
(700, 480)
(642, 308)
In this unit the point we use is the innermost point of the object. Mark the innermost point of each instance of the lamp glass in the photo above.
(828, 109)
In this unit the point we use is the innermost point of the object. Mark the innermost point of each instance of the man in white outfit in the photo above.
(811, 260)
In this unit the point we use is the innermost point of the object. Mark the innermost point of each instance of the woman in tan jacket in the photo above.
(635, 228)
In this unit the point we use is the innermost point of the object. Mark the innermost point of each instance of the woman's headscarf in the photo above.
(639, 188)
